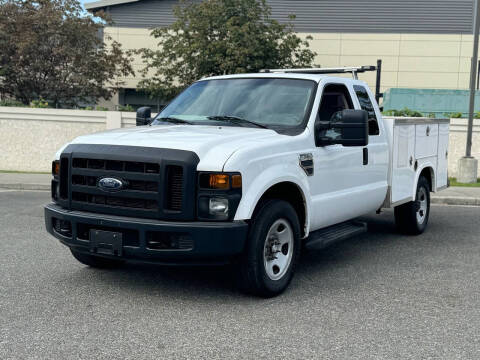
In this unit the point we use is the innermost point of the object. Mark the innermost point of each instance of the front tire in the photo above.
(273, 249)
(412, 217)
(96, 261)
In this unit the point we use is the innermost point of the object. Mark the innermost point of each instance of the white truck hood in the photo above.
(213, 144)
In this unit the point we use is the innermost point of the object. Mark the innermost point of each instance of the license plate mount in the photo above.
(106, 242)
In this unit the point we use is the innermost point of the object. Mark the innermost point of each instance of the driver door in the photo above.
(340, 184)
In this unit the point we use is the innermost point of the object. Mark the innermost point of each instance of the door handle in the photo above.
(365, 156)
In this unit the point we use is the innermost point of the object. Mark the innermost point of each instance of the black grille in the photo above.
(156, 183)
(64, 178)
(174, 188)
(140, 180)
(139, 185)
(114, 165)
(110, 200)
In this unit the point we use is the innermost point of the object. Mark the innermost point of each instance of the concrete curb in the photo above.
(455, 200)
(41, 187)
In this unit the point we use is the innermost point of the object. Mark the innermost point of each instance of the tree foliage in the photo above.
(52, 50)
(216, 37)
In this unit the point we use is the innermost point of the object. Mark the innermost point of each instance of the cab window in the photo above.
(366, 104)
(335, 98)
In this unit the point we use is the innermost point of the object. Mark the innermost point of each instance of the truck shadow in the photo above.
(328, 269)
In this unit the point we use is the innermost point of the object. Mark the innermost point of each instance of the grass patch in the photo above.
(22, 172)
(453, 182)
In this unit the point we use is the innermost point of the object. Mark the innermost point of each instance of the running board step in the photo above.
(322, 238)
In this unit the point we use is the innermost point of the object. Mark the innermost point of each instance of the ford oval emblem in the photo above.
(110, 184)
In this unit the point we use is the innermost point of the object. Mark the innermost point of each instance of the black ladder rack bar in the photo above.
(354, 70)
(340, 70)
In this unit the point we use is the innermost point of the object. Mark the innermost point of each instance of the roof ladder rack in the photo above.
(354, 70)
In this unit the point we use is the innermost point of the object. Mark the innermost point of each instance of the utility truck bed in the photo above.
(416, 144)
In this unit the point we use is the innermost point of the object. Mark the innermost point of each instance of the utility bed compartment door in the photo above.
(403, 172)
(426, 140)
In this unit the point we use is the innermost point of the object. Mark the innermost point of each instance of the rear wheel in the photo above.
(412, 217)
(96, 261)
(273, 248)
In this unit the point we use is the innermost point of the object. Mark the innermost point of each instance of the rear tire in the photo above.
(272, 251)
(96, 261)
(412, 218)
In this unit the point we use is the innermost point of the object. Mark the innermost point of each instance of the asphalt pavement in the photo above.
(380, 295)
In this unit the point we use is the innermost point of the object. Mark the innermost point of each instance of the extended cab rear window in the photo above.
(366, 104)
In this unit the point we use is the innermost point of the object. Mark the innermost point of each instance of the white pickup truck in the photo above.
(248, 169)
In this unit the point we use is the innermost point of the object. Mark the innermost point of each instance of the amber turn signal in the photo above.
(56, 168)
(236, 181)
(219, 181)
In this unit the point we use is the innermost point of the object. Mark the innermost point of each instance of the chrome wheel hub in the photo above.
(278, 249)
(422, 208)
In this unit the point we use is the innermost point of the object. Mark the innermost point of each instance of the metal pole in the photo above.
(473, 74)
(378, 95)
(478, 75)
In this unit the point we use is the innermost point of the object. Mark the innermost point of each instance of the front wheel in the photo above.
(273, 248)
(412, 217)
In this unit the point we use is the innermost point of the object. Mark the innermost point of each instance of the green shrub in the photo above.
(11, 103)
(454, 115)
(97, 108)
(404, 112)
(39, 104)
(128, 108)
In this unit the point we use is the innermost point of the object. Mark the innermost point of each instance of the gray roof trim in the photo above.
(318, 16)
(104, 3)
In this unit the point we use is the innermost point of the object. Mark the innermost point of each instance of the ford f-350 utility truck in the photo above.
(247, 169)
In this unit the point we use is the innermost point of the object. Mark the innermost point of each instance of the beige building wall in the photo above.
(409, 60)
(430, 61)
(132, 39)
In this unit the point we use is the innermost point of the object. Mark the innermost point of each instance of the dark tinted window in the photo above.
(335, 98)
(367, 105)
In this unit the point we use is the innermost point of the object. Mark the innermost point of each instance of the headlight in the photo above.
(218, 206)
(218, 195)
(213, 208)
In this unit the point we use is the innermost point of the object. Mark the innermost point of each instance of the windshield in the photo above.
(260, 102)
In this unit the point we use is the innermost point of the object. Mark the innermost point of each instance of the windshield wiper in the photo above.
(236, 118)
(174, 120)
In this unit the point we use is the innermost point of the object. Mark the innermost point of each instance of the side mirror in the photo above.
(144, 116)
(346, 127)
